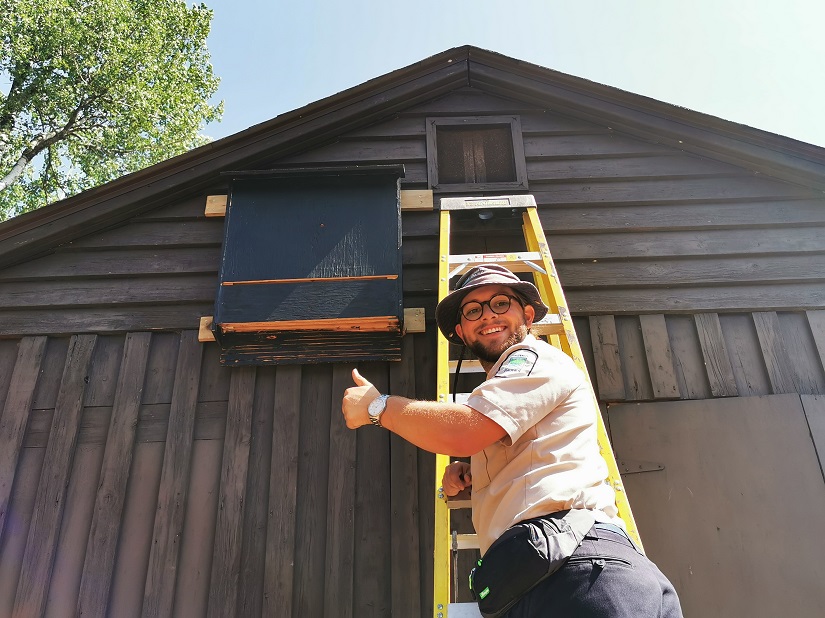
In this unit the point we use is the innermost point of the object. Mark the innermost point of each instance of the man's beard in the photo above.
(491, 354)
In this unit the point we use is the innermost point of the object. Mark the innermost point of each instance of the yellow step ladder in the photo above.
(557, 326)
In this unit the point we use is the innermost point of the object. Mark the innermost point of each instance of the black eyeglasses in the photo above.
(498, 304)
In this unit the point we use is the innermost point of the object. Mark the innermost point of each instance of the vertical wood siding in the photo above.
(159, 483)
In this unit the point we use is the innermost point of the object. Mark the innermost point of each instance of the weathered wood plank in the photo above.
(634, 359)
(161, 368)
(775, 297)
(194, 565)
(673, 272)
(174, 483)
(98, 567)
(567, 146)
(745, 354)
(16, 414)
(659, 356)
(688, 362)
(404, 508)
(283, 488)
(51, 371)
(157, 235)
(226, 557)
(684, 189)
(340, 549)
(467, 100)
(774, 353)
(805, 365)
(608, 377)
(674, 216)
(715, 353)
(311, 504)
(112, 263)
(362, 151)
(74, 529)
(21, 506)
(109, 292)
(628, 167)
(256, 502)
(816, 320)
(41, 545)
(118, 319)
(372, 590)
(103, 371)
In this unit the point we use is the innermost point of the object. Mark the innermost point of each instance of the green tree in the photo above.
(93, 89)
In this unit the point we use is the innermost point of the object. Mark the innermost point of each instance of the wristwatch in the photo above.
(376, 409)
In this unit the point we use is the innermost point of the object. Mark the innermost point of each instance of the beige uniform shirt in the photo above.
(549, 461)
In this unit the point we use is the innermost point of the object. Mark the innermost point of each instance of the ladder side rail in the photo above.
(442, 537)
(551, 290)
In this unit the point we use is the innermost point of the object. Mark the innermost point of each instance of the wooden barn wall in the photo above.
(635, 227)
(140, 477)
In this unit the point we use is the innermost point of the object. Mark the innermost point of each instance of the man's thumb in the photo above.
(359, 379)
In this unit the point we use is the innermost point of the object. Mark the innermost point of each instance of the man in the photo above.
(530, 430)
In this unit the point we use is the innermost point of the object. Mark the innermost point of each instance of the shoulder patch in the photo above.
(518, 363)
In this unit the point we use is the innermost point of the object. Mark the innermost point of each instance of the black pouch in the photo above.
(523, 556)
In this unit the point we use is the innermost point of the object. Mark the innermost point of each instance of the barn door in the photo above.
(735, 514)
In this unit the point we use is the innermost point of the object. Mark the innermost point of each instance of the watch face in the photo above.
(377, 405)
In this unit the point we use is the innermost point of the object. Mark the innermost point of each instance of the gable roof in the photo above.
(35, 233)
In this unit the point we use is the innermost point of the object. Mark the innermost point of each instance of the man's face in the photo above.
(493, 333)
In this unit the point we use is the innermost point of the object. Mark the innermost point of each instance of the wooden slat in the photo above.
(404, 503)
(174, 482)
(373, 583)
(340, 549)
(688, 189)
(666, 243)
(311, 504)
(215, 205)
(283, 487)
(688, 364)
(774, 352)
(739, 298)
(16, 414)
(816, 320)
(805, 363)
(156, 235)
(673, 164)
(139, 290)
(41, 545)
(117, 318)
(715, 353)
(745, 354)
(609, 377)
(659, 356)
(113, 262)
(416, 199)
(634, 359)
(367, 324)
(226, 556)
(205, 329)
(98, 567)
(256, 501)
(669, 273)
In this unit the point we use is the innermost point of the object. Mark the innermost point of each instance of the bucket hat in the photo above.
(446, 312)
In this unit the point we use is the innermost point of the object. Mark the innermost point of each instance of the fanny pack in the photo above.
(523, 556)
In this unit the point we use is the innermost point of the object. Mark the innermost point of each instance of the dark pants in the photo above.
(606, 577)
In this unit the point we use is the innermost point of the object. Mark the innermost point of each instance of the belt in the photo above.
(610, 528)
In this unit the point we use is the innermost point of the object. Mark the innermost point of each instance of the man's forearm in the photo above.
(448, 428)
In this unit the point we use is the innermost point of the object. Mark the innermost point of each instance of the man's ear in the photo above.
(459, 332)
(529, 315)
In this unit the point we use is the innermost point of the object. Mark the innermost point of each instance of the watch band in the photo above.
(376, 409)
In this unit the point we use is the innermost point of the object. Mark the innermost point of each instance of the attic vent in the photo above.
(311, 267)
(475, 154)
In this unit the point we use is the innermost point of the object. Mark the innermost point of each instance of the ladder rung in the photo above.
(523, 262)
(549, 325)
(463, 610)
(467, 366)
(460, 501)
(465, 541)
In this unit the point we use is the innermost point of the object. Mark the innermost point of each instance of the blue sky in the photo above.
(758, 63)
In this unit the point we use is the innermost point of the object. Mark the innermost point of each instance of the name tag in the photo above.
(517, 364)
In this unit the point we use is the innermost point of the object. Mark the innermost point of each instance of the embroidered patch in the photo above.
(518, 364)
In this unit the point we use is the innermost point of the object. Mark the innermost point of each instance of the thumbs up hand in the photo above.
(357, 400)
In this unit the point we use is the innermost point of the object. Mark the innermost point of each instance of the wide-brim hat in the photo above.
(446, 312)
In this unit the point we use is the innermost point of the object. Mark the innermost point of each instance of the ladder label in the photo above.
(519, 363)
